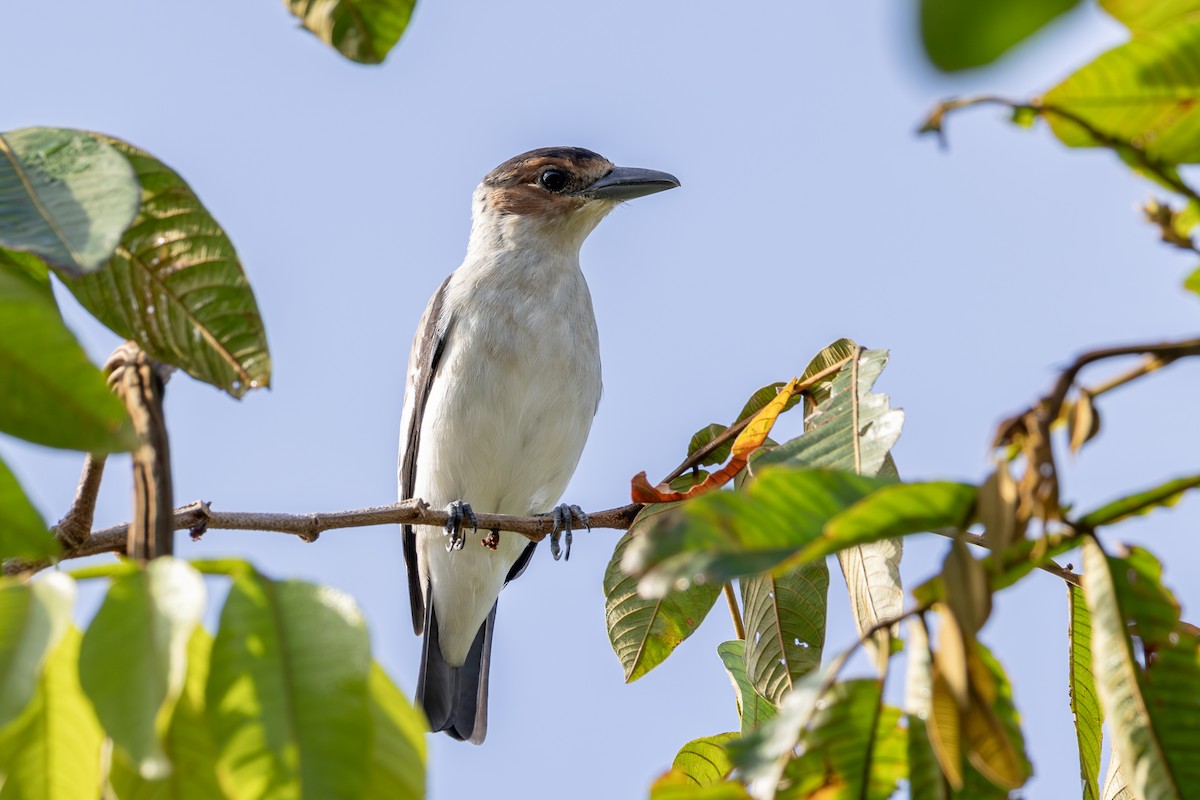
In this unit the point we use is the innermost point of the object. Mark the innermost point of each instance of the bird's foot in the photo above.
(564, 516)
(458, 513)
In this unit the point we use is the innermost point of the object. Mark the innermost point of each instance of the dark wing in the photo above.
(422, 365)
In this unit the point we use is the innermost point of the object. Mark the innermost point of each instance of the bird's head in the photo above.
(555, 197)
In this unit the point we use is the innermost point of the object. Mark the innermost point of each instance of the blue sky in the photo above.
(805, 194)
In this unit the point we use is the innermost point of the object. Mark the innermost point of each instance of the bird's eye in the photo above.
(553, 180)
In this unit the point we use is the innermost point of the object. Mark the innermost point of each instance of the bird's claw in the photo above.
(457, 513)
(564, 516)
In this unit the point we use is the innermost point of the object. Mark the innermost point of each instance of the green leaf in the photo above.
(898, 510)
(23, 532)
(49, 392)
(760, 398)
(1162, 496)
(1150, 712)
(675, 786)
(398, 754)
(753, 709)
(1144, 92)
(705, 435)
(1084, 703)
(52, 750)
(832, 442)
(723, 535)
(1192, 283)
(762, 753)
(231, 567)
(361, 30)
(1142, 16)
(850, 428)
(134, 657)
(854, 747)
(960, 35)
(1024, 116)
(643, 632)
(785, 626)
(176, 286)
(835, 352)
(64, 196)
(288, 691)
(704, 761)
(33, 617)
(188, 742)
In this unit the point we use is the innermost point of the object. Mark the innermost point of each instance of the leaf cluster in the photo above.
(283, 700)
(806, 732)
(132, 242)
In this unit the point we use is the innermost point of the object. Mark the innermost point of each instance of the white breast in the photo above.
(509, 411)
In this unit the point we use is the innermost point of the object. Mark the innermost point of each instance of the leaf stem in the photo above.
(739, 628)
(733, 430)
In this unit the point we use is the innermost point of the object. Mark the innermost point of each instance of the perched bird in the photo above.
(503, 382)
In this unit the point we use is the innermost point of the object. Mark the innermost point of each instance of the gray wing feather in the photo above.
(422, 366)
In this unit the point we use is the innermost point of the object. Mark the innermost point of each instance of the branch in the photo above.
(73, 530)
(1164, 171)
(1049, 565)
(139, 381)
(733, 430)
(199, 518)
(1050, 406)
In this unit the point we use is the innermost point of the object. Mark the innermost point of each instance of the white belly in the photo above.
(507, 417)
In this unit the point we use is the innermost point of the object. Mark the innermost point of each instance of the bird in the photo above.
(503, 382)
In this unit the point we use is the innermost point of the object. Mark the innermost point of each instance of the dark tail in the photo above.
(455, 698)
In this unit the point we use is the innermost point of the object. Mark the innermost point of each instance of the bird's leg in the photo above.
(458, 513)
(564, 515)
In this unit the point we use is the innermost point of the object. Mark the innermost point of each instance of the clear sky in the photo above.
(808, 211)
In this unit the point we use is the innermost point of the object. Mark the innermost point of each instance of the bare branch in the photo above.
(200, 517)
(1049, 407)
(1164, 171)
(1046, 565)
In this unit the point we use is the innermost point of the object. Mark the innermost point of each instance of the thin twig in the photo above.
(739, 628)
(1161, 170)
(1149, 364)
(981, 541)
(733, 430)
(1050, 406)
